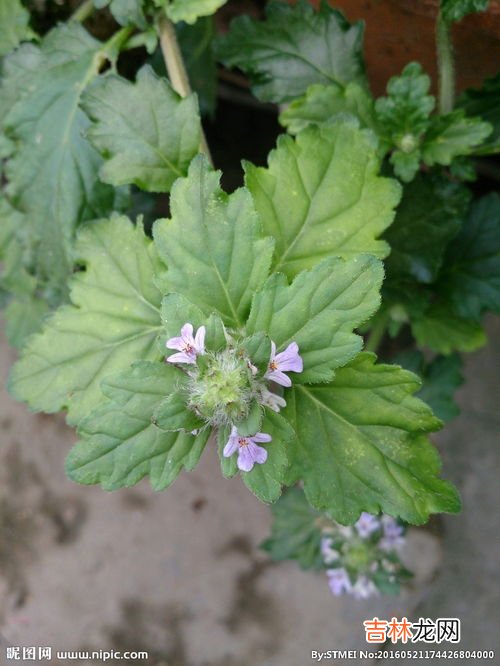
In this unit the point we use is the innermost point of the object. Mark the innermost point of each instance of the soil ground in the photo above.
(179, 573)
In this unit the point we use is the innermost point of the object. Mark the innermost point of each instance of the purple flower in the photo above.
(366, 525)
(188, 346)
(338, 580)
(363, 588)
(329, 554)
(393, 534)
(271, 400)
(285, 361)
(249, 452)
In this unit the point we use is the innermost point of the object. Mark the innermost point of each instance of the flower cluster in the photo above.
(363, 560)
(223, 388)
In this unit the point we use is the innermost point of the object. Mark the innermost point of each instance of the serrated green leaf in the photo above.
(361, 445)
(190, 10)
(485, 102)
(258, 349)
(120, 445)
(171, 414)
(146, 132)
(470, 279)
(212, 245)
(293, 48)
(455, 10)
(404, 114)
(126, 12)
(406, 165)
(441, 378)
(319, 311)
(295, 534)
(53, 173)
(17, 71)
(114, 319)
(23, 317)
(452, 135)
(322, 104)
(441, 330)
(430, 214)
(14, 25)
(321, 196)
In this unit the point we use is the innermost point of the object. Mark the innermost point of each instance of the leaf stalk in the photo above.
(446, 66)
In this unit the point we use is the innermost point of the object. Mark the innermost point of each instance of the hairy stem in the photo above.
(446, 67)
(177, 70)
(83, 11)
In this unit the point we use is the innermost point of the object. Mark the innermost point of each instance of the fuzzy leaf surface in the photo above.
(119, 443)
(362, 445)
(145, 131)
(114, 319)
(53, 172)
(319, 311)
(485, 102)
(471, 275)
(14, 28)
(295, 535)
(190, 10)
(324, 104)
(212, 245)
(320, 196)
(293, 48)
(452, 135)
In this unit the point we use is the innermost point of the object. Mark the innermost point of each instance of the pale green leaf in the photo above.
(321, 196)
(172, 414)
(190, 10)
(146, 132)
(452, 135)
(53, 173)
(319, 311)
(113, 320)
(24, 316)
(293, 48)
(14, 28)
(212, 246)
(126, 12)
(323, 104)
(119, 443)
(362, 446)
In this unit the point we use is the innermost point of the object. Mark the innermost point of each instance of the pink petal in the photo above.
(187, 333)
(259, 454)
(175, 343)
(230, 448)
(289, 359)
(260, 437)
(278, 377)
(199, 341)
(181, 357)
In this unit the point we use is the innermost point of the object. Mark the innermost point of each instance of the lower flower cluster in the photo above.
(363, 560)
(225, 385)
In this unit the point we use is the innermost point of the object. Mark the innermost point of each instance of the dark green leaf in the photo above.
(361, 445)
(485, 102)
(441, 330)
(470, 279)
(455, 10)
(319, 311)
(294, 47)
(119, 443)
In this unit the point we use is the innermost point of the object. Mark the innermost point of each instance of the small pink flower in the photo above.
(286, 361)
(338, 580)
(366, 525)
(249, 452)
(271, 400)
(189, 347)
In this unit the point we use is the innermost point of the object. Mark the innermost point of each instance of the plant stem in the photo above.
(377, 333)
(177, 70)
(446, 67)
(114, 45)
(83, 11)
